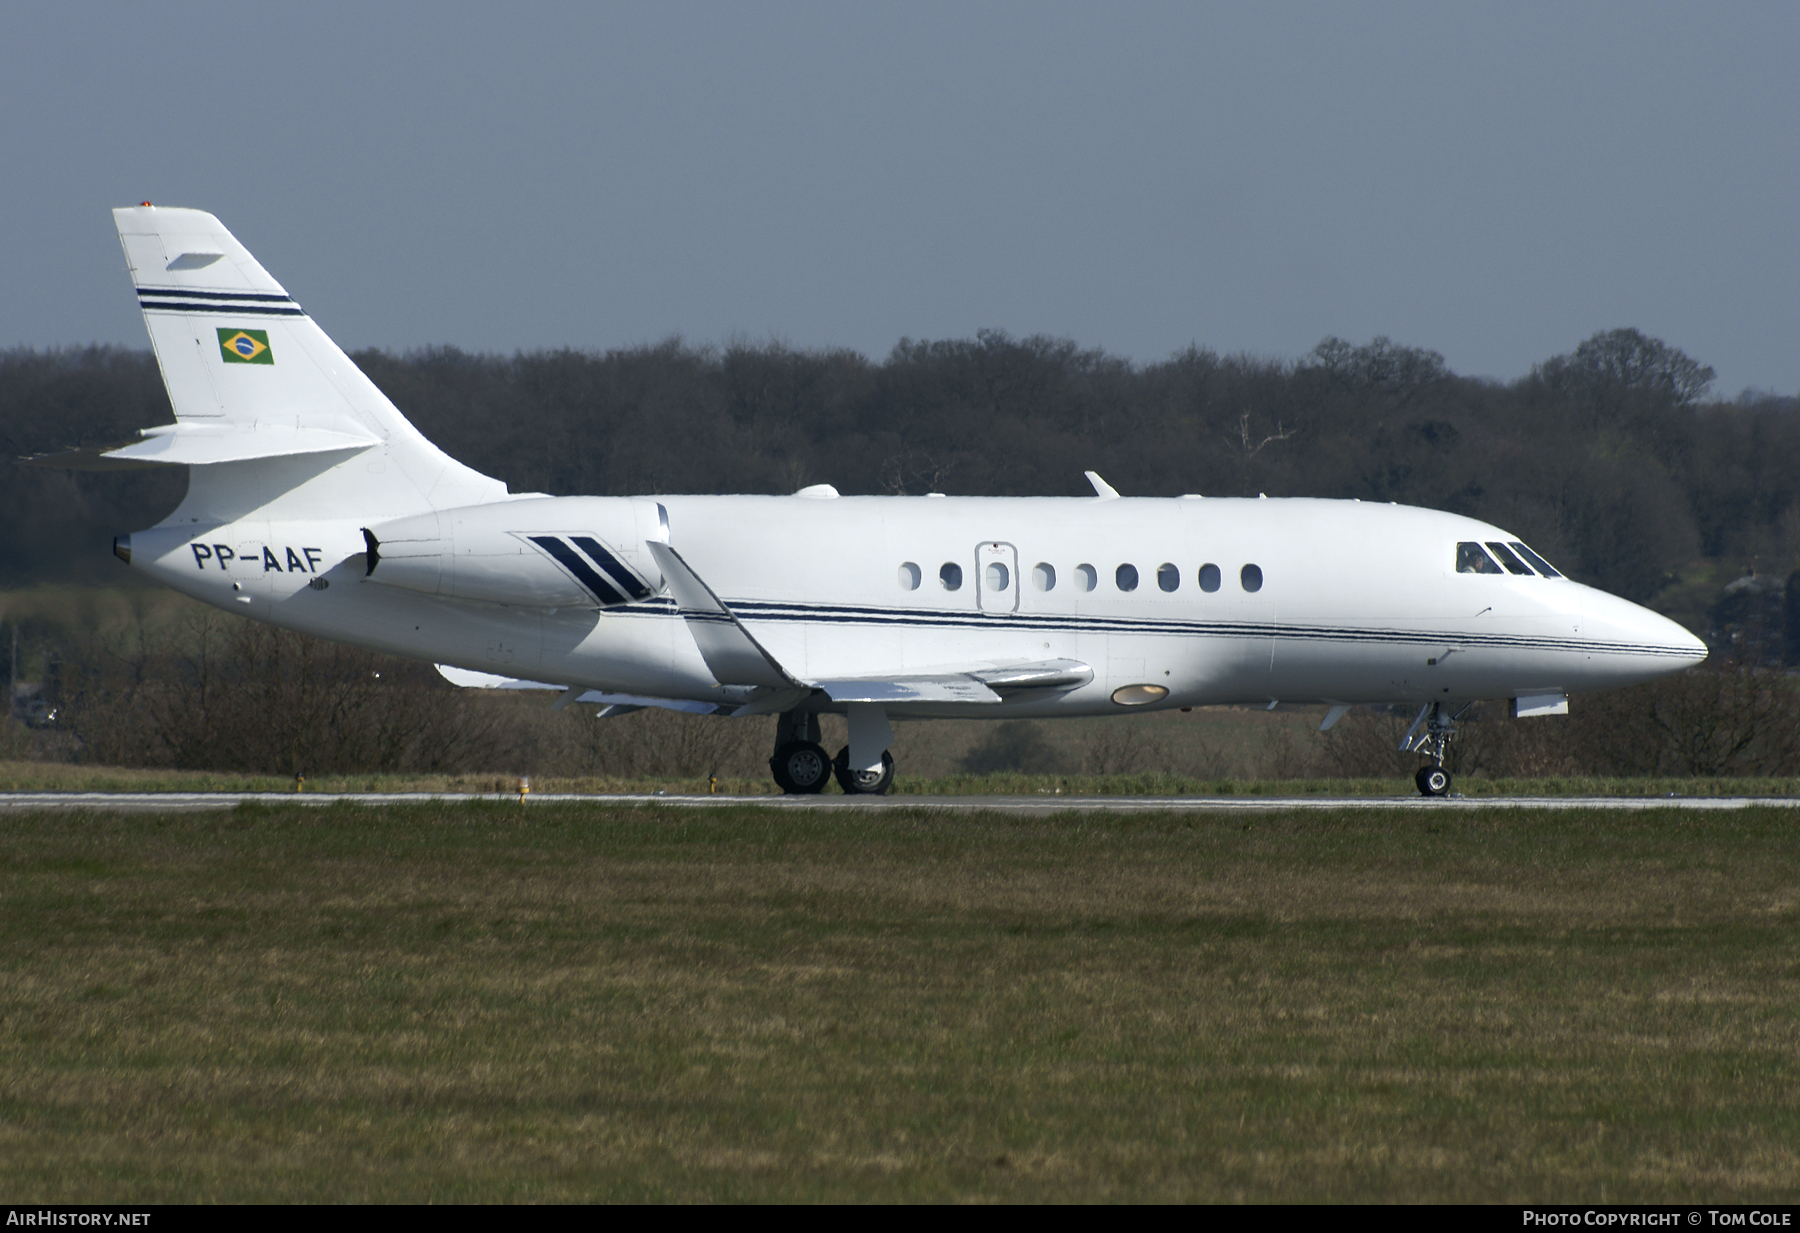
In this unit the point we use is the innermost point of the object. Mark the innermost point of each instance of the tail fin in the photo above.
(271, 416)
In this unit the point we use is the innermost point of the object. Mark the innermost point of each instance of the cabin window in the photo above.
(951, 576)
(1126, 577)
(998, 576)
(1086, 577)
(1512, 563)
(1043, 576)
(910, 576)
(1470, 559)
(1251, 577)
(1209, 578)
(1168, 577)
(1542, 566)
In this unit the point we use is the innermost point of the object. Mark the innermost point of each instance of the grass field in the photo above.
(482, 1002)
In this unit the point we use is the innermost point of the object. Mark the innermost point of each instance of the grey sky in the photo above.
(1493, 182)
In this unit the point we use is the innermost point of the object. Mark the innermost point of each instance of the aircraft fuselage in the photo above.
(1354, 601)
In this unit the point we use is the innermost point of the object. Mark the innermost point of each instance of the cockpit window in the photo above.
(1542, 566)
(1470, 559)
(1512, 563)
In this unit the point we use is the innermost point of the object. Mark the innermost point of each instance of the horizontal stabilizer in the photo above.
(196, 445)
(295, 429)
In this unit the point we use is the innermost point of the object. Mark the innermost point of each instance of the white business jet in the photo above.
(314, 505)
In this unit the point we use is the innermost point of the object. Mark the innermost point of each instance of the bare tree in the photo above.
(1246, 452)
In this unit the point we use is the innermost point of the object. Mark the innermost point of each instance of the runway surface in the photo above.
(175, 802)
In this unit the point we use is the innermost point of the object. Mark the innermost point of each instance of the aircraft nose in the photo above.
(1630, 626)
(1634, 643)
(1682, 647)
(1697, 651)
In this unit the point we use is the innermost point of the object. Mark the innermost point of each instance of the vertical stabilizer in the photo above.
(239, 356)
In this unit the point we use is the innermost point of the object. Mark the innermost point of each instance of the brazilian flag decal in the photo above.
(245, 346)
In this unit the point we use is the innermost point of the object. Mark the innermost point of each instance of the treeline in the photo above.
(210, 691)
(1613, 460)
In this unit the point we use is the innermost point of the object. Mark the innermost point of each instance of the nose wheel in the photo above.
(1433, 781)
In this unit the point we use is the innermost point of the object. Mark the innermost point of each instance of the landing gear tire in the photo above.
(869, 783)
(1433, 781)
(801, 768)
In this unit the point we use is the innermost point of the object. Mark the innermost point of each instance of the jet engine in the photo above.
(536, 552)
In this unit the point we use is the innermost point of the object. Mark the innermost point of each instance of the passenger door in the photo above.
(997, 576)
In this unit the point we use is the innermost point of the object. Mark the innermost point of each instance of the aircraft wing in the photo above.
(468, 678)
(624, 704)
(948, 687)
(974, 685)
(735, 657)
(613, 704)
(1045, 674)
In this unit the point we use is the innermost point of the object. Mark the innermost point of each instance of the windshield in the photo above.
(1473, 558)
(1470, 559)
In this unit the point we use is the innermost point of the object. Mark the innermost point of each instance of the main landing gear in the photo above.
(802, 767)
(1430, 733)
(875, 783)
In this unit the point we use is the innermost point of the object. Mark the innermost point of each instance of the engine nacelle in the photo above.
(539, 552)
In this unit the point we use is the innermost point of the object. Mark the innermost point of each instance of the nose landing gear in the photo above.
(1430, 733)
